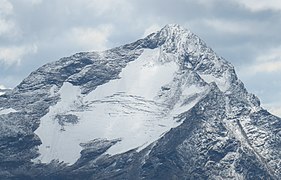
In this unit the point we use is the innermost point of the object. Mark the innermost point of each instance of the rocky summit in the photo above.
(163, 107)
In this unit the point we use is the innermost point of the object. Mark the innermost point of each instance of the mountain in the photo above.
(163, 107)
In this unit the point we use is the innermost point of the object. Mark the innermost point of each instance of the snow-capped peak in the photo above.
(165, 98)
(140, 87)
(174, 30)
(178, 40)
(148, 94)
(192, 53)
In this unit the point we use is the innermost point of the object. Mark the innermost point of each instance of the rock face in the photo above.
(163, 107)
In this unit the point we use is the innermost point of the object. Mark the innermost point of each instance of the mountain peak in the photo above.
(174, 31)
(174, 38)
(174, 27)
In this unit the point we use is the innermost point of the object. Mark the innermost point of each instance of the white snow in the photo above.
(143, 77)
(128, 108)
(188, 92)
(124, 108)
(223, 83)
(7, 111)
(53, 90)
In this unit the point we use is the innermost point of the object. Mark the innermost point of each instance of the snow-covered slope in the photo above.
(115, 110)
(129, 109)
(163, 107)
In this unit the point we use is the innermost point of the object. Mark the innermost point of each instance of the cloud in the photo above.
(6, 7)
(34, 2)
(90, 38)
(227, 26)
(267, 62)
(103, 7)
(151, 29)
(2, 87)
(118, 9)
(7, 25)
(13, 55)
(273, 54)
(261, 5)
(274, 108)
(267, 67)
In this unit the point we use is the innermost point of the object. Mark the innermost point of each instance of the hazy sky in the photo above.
(245, 32)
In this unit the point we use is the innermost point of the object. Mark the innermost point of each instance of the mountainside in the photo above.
(163, 107)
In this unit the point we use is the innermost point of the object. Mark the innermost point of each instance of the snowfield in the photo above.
(124, 108)
(7, 111)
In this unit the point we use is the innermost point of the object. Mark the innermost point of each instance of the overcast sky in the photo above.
(245, 32)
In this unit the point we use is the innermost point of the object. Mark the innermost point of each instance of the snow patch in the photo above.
(190, 96)
(142, 77)
(7, 111)
(123, 109)
(223, 82)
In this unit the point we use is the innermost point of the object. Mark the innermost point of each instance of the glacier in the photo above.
(126, 109)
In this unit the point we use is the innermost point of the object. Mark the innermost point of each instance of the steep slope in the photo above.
(163, 107)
